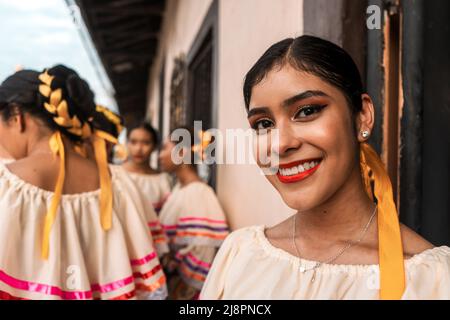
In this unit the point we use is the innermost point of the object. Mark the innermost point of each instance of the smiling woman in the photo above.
(310, 91)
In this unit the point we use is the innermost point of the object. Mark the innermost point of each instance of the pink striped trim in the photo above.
(169, 227)
(198, 261)
(144, 260)
(113, 285)
(202, 219)
(154, 224)
(43, 288)
(70, 295)
(194, 259)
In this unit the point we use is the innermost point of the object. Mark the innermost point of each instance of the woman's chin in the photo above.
(299, 202)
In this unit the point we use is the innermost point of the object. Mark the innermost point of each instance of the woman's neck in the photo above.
(340, 216)
(39, 143)
(143, 167)
(4, 154)
(186, 174)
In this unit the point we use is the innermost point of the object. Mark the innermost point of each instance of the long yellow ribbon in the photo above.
(106, 136)
(106, 198)
(57, 148)
(390, 250)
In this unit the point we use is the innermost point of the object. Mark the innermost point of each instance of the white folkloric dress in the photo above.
(248, 266)
(154, 189)
(146, 189)
(84, 262)
(196, 227)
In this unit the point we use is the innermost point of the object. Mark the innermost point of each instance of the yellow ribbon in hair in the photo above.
(106, 136)
(57, 148)
(205, 140)
(390, 250)
(111, 116)
(106, 198)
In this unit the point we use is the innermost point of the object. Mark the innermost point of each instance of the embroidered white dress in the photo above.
(85, 262)
(248, 266)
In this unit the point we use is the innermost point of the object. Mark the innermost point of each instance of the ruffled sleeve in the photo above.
(216, 280)
(428, 275)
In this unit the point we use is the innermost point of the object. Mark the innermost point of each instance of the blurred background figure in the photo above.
(193, 219)
(142, 141)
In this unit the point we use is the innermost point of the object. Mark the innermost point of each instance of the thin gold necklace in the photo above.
(341, 252)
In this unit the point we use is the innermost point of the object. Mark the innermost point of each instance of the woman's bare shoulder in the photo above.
(413, 243)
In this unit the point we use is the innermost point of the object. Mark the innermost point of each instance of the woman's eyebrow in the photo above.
(258, 110)
(289, 101)
(304, 95)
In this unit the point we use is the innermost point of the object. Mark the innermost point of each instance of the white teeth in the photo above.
(298, 169)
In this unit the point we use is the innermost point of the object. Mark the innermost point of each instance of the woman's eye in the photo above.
(307, 111)
(262, 125)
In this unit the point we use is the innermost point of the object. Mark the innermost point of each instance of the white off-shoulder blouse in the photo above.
(248, 266)
(85, 261)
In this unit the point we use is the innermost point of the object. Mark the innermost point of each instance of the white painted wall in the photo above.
(246, 29)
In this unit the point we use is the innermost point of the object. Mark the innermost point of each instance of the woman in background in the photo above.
(193, 220)
(69, 228)
(142, 140)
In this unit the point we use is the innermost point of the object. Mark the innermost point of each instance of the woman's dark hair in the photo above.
(313, 55)
(147, 127)
(21, 91)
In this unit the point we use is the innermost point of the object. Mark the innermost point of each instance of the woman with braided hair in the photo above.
(69, 229)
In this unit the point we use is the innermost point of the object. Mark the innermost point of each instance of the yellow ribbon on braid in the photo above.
(106, 197)
(101, 157)
(112, 117)
(57, 148)
(390, 250)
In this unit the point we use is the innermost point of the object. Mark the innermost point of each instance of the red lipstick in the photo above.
(299, 176)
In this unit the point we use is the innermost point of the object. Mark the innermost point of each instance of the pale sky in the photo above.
(36, 34)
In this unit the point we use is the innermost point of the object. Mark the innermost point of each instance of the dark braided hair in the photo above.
(22, 91)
